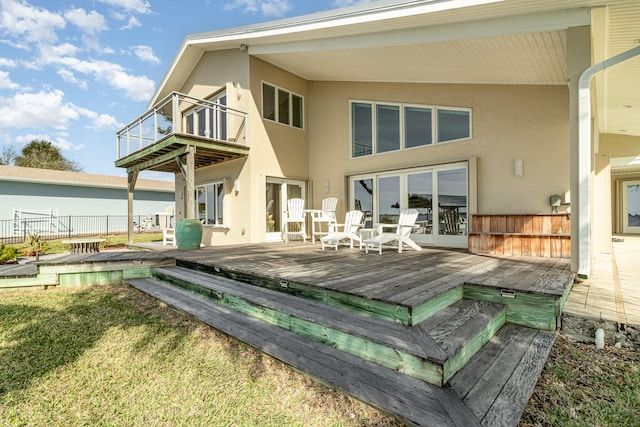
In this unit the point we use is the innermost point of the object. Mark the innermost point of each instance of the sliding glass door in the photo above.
(439, 193)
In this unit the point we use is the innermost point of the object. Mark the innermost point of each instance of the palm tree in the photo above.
(45, 155)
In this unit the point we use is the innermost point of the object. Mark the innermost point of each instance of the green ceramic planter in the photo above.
(188, 234)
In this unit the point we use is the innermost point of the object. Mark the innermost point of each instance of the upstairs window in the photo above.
(282, 106)
(382, 127)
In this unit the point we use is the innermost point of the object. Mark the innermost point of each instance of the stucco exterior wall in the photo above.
(275, 150)
(509, 122)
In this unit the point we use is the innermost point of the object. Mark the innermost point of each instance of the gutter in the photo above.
(582, 227)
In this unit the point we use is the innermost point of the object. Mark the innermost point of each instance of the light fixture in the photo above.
(518, 169)
(243, 46)
(327, 186)
(238, 87)
(236, 186)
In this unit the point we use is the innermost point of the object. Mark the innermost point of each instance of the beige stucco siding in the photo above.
(275, 150)
(509, 122)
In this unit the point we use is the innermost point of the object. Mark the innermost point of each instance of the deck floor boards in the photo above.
(408, 279)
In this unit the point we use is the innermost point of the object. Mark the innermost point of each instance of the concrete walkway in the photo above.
(612, 292)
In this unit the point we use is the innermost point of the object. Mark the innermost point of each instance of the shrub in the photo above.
(8, 253)
(34, 244)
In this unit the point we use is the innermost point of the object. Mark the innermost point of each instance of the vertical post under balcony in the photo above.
(190, 178)
(132, 177)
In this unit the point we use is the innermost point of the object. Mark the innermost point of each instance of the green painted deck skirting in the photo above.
(526, 309)
(356, 304)
(429, 308)
(31, 281)
(408, 364)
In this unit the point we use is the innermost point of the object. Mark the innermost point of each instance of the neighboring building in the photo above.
(470, 107)
(31, 190)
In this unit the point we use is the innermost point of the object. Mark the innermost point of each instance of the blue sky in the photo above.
(74, 72)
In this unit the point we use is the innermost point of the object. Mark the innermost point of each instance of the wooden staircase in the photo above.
(426, 372)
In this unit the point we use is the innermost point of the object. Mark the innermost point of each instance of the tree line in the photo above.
(38, 154)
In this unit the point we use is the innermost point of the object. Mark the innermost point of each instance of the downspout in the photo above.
(582, 227)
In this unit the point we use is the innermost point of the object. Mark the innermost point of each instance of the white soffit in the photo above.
(532, 58)
(622, 81)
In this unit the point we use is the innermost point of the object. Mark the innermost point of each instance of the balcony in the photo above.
(159, 138)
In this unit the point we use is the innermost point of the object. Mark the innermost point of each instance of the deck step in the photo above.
(431, 300)
(497, 382)
(432, 351)
(411, 400)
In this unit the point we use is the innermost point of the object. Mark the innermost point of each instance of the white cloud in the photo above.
(69, 77)
(266, 7)
(5, 81)
(65, 145)
(132, 23)
(275, 7)
(106, 122)
(39, 110)
(138, 88)
(345, 3)
(145, 54)
(138, 6)
(90, 23)
(33, 24)
(7, 63)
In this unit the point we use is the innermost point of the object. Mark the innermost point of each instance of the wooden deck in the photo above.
(436, 337)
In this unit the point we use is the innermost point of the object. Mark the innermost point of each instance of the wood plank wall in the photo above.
(538, 235)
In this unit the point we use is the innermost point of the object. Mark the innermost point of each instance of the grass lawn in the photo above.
(111, 356)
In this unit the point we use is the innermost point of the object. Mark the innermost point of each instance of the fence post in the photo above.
(107, 225)
(69, 228)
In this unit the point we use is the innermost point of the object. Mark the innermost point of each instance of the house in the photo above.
(473, 108)
(32, 194)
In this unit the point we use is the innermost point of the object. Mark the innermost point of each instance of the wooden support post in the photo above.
(132, 177)
(190, 181)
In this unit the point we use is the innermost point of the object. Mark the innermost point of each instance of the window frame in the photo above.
(373, 106)
(218, 211)
(293, 100)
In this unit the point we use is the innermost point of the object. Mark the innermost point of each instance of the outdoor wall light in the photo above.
(327, 186)
(236, 186)
(518, 170)
(238, 87)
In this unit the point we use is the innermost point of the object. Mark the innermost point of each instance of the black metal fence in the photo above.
(62, 227)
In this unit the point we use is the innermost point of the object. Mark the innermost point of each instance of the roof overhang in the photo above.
(421, 41)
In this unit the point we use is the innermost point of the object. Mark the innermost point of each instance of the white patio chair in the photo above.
(401, 235)
(169, 236)
(294, 216)
(327, 216)
(352, 222)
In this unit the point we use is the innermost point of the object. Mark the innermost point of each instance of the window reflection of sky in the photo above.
(633, 199)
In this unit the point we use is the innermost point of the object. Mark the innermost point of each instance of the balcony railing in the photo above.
(182, 114)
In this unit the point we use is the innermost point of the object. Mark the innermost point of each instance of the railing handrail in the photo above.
(169, 98)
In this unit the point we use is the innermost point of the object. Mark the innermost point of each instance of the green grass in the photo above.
(581, 386)
(110, 356)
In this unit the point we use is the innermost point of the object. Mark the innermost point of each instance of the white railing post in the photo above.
(175, 113)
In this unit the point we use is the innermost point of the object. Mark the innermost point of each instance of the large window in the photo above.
(282, 106)
(382, 127)
(209, 203)
(439, 193)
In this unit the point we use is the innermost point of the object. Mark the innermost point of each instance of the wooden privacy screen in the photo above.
(538, 235)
